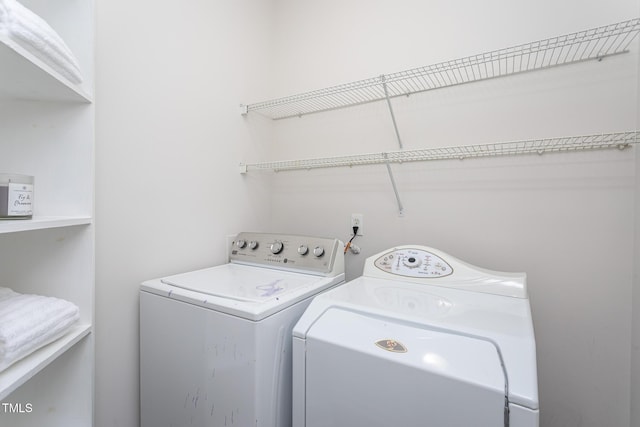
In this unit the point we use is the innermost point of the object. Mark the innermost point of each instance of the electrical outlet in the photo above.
(356, 221)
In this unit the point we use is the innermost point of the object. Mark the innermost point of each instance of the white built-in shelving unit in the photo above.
(588, 45)
(47, 131)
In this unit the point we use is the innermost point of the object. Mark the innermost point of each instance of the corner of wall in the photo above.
(635, 327)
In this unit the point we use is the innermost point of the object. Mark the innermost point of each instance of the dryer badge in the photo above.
(391, 345)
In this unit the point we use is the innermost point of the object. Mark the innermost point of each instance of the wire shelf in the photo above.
(619, 140)
(595, 43)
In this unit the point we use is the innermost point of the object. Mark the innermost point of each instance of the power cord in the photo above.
(348, 245)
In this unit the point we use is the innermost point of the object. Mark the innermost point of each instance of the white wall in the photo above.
(565, 219)
(170, 77)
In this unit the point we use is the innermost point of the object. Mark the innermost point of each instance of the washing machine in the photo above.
(420, 339)
(215, 344)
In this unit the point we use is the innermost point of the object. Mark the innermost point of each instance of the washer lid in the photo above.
(246, 291)
(241, 284)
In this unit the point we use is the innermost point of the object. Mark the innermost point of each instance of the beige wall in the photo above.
(170, 76)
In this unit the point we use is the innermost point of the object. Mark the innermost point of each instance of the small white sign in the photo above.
(20, 201)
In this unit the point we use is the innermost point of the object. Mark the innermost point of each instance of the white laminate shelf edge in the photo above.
(594, 43)
(40, 223)
(20, 372)
(24, 76)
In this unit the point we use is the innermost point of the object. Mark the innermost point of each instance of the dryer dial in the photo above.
(318, 251)
(412, 262)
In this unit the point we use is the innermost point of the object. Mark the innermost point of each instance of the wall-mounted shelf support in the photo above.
(395, 188)
(393, 116)
(395, 128)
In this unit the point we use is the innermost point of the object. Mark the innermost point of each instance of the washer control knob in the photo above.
(303, 249)
(276, 247)
(318, 251)
(253, 245)
(241, 243)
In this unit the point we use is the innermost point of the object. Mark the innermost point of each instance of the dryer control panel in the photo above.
(428, 266)
(305, 254)
(413, 262)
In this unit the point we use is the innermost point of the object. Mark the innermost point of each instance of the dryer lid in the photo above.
(502, 320)
(460, 357)
(396, 373)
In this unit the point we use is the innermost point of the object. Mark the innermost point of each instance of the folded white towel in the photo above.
(34, 34)
(39, 26)
(4, 17)
(28, 322)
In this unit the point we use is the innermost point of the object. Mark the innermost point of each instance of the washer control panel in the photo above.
(288, 252)
(413, 262)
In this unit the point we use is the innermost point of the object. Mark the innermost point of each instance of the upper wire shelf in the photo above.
(620, 140)
(589, 44)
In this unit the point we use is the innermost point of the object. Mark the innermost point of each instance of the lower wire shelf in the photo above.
(619, 140)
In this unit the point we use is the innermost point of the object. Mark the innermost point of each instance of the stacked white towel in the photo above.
(34, 34)
(4, 16)
(28, 322)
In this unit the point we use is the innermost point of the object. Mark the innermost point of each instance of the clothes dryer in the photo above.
(421, 339)
(215, 344)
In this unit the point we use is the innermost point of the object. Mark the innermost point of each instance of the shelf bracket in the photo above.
(393, 116)
(393, 184)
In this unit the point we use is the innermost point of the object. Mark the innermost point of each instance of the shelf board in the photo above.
(24, 76)
(618, 140)
(595, 43)
(43, 222)
(21, 371)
